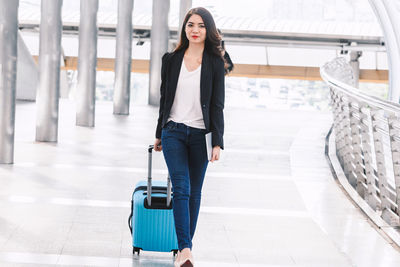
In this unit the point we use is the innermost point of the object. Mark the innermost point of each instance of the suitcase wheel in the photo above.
(136, 250)
(175, 252)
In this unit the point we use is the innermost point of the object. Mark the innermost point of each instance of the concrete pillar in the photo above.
(86, 87)
(355, 64)
(123, 58)
(159, 45)
(49, 66)
(8, 77)
(185, 6)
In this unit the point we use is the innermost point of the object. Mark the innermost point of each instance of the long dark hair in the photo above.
(213, 38)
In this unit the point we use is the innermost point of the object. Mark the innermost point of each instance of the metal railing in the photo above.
(367, 138)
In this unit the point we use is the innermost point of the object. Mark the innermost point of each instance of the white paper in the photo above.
(209, 145)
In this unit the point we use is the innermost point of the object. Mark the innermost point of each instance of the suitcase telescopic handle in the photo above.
(149, 179)
(149, 182)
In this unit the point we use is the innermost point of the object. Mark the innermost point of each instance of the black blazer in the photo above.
(212, 92)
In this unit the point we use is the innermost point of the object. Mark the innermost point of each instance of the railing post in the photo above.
(394, 134)
(356, 145)
(365, 125)
(378, 126)
(8, 77)
(339, 139)
(348, 153)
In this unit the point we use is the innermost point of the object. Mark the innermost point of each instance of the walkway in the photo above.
(270, 201)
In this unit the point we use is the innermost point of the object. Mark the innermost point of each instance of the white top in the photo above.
(187, 107)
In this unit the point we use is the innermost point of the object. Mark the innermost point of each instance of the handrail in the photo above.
(367, 139)
(354, 92)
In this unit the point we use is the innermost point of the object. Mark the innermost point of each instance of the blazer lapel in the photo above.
(175, 71)
(204, 76)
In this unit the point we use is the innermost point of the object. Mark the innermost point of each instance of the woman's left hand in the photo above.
(215, 153)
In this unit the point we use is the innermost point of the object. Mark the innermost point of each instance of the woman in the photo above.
(191, 105)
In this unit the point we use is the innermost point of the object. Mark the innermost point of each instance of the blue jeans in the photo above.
(185, 153)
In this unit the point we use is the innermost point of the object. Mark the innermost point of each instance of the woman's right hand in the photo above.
(157, 145)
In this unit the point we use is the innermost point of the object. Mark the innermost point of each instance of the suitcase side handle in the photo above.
(130, 217)
(149, 179)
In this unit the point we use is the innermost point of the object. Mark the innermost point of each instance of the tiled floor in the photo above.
(270, 201)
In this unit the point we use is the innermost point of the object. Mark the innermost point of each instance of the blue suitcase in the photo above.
(151, 220)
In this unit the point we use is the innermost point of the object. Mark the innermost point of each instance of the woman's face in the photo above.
(195, 29)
